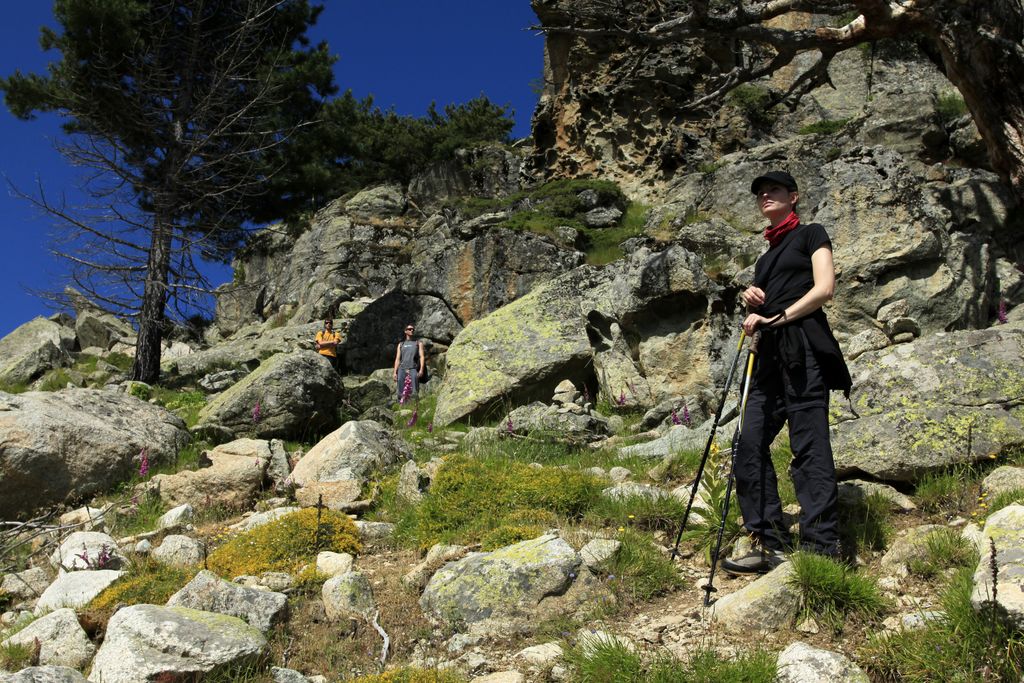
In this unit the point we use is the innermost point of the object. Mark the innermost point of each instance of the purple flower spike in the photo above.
(621, 400)
(1001, 314)
(257, 413)
(144, 462)
(675, 418)
(508, 426)
(686, 417)
(412, 420)
(406, 389)
(430, 428)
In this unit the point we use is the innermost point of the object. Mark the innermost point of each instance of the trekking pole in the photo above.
(707, 448)
(709, 587)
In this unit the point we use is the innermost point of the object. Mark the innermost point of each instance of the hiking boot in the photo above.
(757, 561)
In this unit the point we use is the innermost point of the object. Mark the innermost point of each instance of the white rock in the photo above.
(75, 589)
(87, 550)
(1005, 530)
(180, 551)
(348, 595)
(176, 517)
(801, 663)
(333, 564)
(62, 639)
(261, 518)
(541, 655)
(599, 550)
(147, 642)
(44, 674)
(767, 604)
(90, 519)
(25, 585)
(619, 474)
(210, 593)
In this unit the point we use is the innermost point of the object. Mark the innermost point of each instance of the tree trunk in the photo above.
(982, 53)
(146, 367)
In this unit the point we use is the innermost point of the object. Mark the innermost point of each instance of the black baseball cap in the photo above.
(780, 177)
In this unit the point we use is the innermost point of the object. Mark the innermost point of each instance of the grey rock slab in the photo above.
(144, 642)
(370, 532)
(856, 491)
(25, 585)
(347, 595)
(1003, 479)
(767, 604)
(32, 349)
(44, 674)
(288, 395)
(210, 593)
(231, 479)
(515, 586)
(260, 518)
(281, 675)
(541, 655)
(75, 589)
(87, 550)
(62, 639)
(599, 550)
(677, 438)
(64, 445)
(177, 517)
(944, 399)
(1004, 592)
(802, 663)
(339, 464)
(180, 551)
(333, 564)
(628, 490)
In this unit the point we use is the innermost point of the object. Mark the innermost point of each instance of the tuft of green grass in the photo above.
(17, 657)
(945, 549)
(1001, 500)
(755, 102)
(640, 571)
(609, 661)
(137, 516)
(13, 387)
(947, 491)
(54, 380)
(471, 497)
(963, 644)
(832, 592)
(186, 404)
(639, 511)
(950, 105)
(865, 525)
(145, 582)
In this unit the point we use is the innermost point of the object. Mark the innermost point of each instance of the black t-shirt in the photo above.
(784, 272)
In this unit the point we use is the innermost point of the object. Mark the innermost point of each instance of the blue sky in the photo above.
(406, 53)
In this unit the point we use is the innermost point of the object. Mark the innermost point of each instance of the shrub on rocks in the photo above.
(286, 544)
(145, 582)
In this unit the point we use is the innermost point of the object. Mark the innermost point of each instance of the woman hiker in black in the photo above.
(798, 363)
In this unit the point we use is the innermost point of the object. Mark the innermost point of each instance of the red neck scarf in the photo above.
(775, 233)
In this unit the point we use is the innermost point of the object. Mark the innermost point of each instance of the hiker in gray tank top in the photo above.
(409, 365)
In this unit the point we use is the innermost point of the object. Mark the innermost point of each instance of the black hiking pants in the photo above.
(797, 395)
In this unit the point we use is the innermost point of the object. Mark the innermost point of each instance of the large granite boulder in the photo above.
(148, 643)
(245, 348)
(514, 587)
(32, 349)
(87, 550)
(944, 399)
(210, 593)
(288, 395)
(232, 475)
(99, 329)
(339, 465)
(62, 446)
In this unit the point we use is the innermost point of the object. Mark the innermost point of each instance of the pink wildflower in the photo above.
(430, 428)
(1001, 314)
(412, 420)
(406, 389)
(508, 425)
(144, 462)
(257, 413)
(675, 418)
(686, 416)
(621, 400)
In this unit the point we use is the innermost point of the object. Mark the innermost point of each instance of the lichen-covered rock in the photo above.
(855, 491)
(802, 663)
(767, 604)
(513, 587)
(62, 639)
(339, 464)
(147, 642)
(75, 589)
(176, 517)
(60, 446)
(348, 595)
(25, 585)
(569, 422)
(210, 593)
(939, 401)
(288, 395)
(1004, 591)
(911, 544)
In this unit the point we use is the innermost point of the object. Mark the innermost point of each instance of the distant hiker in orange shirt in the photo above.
(327, 341)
